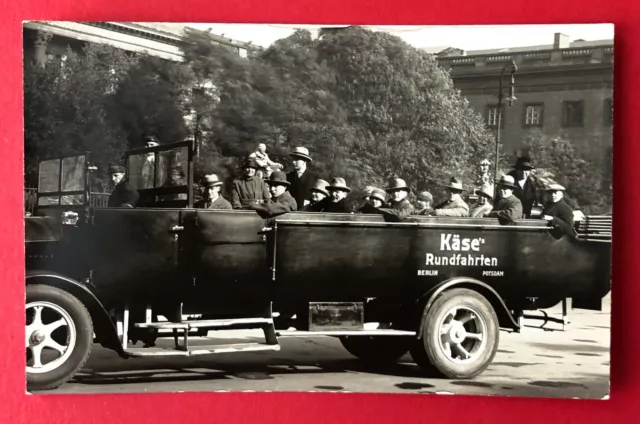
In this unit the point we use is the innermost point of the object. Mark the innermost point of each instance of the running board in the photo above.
(346, 333)
(211, 323)
(201, 350)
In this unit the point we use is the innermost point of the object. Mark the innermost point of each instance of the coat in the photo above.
(368, 208)
(507, 210)
(527, 194)
(456, 207)
(480, 210)
(277, 206)
(562, 216)
(123, 196)
(300, 188)
(397, 211)
(343, 206)
(247, 191)
(219, 203)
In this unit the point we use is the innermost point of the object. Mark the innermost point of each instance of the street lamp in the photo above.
(512, 68)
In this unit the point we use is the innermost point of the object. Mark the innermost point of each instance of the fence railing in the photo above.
(31, 199)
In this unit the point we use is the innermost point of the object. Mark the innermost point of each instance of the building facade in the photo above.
(564, 89)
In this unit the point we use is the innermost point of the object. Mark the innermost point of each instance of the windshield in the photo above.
(59, 176)
(160, 169)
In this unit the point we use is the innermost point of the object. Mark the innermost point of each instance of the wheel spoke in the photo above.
(445, 329)
(55, 345)
(36, 352)
(50, 328)
(37, 317)
(464, 352)
(468, 318)
(475, 336)
(447, 349)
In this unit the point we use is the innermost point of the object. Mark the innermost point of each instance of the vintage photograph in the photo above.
(328, 208)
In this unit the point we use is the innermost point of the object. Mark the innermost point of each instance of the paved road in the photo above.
(574, 363)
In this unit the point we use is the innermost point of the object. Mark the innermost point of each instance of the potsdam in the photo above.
(461, 260)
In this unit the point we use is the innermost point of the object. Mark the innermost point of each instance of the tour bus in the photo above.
(439, 288)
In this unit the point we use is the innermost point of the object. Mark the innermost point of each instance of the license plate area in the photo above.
(336, 316)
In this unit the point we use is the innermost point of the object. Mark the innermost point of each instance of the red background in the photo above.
(16, 406)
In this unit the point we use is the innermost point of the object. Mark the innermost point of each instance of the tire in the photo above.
(430, 350)
(73, 338)
(378, 350)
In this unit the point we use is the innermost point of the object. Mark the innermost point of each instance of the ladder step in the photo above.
(209, 323)
(202, 350)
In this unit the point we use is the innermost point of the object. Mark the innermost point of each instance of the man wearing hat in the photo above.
(455, 206)
(175, 178)
(319, 194)
(123, 195)
(399, 206)
(281, 201)
(424, 201)
(249, 189)
(556, 211)
(301, 178)
(484, 204)
(375, 200)
(525, 187)
(212, 198)
(508, 208)
(337, 200)
(147, 172)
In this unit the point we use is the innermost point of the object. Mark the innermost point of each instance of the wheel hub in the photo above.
(36, 338)
(457, 334)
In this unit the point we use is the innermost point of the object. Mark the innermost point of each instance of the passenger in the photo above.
(526, 184)
(508, 209)
(249, 189)
(123, 195)
(376, 200)
(319, 194)
(557, 212)
(484, 204)
(148, 166)
(281, 200)
(337, 200)
(262, 159)
(175, 178)
(455, 206)
(424, 203)
(212, 198)
(399, 206)
(301, 178)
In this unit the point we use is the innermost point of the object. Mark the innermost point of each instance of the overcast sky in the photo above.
(463, 37)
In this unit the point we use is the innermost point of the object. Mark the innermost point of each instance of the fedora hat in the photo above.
(278, 178)
(321, 186)
(301, 152)
(554, 187)
(486, 190)
(212, 180)
(425, 196)
(454, 184)
(397, 184)
(377, 193)
(117, 169)
(507, 181)
(250, 163)
(338, 184)
(524, 163)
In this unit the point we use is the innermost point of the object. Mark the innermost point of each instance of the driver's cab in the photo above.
(162, 175)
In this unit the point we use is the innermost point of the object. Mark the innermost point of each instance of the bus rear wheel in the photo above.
(460, 335)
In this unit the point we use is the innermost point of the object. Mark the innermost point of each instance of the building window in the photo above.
(573, 113)
(491, 117)
(533, 114)
(608, 112)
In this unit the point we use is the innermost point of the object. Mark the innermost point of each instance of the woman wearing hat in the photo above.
(508, 208)
(281, 201)
(123, 195)
(557, 212)
(301, 179)
(455, 206)
(212, 198)
(484, 204)
(337, 200)
(249, 189)
(424, 200)
(375, 200)
(399, 206)
(319, 194)
(525, 184)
